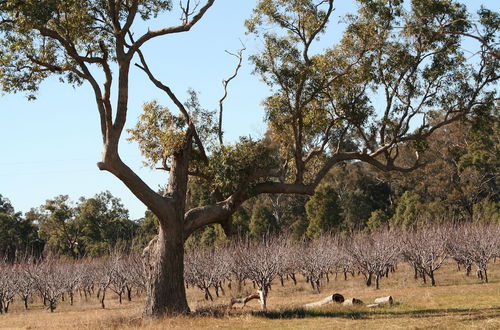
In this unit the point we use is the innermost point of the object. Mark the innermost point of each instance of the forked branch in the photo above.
(225, 83)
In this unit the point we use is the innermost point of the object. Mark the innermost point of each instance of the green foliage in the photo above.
(243, 162)
(378, 219)
(93, 227)
(104, 223)
(5, 206)
(323, 211)
(30, 32)
(159, 134)
(18, 235)
(147, 229)
(483, 149)
(241, 221)
(59, 228)
(487, 211)
(262, 222)
(407, 211)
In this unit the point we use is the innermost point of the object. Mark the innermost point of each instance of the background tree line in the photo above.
(459, 183)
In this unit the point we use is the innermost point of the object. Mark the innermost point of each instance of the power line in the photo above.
(49, 172)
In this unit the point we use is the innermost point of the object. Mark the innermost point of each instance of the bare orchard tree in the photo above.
(263, 261)
(205, 269)
(70, 275)
(103, 275)
(482, 244)
(8, 286)
(457, 247)
(345, 261)
(237, 270)
(134, 273)
(49, 281)
(314, 260)
(118, 274)
(374, 254)
(324, 107)
(25, 283)
(289, 263)
(87, 269)
(192, 268)
(425, 249)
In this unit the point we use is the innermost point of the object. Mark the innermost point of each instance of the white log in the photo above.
(373, 305)
(336, 297)
(384, 300)
(352, 301)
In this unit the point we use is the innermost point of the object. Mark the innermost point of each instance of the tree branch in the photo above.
(170, 30)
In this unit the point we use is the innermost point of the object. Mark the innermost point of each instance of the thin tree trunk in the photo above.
(369, 279)
(129, 294)
(431, 275)
(102, 299)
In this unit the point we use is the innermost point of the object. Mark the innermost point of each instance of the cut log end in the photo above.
(336, 297)
(384, 300)
(352, 301)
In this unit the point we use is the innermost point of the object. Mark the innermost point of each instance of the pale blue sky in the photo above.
(50, 146)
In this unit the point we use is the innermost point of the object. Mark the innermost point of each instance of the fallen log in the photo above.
(336, 297)
(244, 300)
(373, 305)
(352, 301)
(384, 300)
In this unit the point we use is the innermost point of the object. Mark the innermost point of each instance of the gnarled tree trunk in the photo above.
(164, 266)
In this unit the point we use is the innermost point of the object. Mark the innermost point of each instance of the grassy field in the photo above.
(457, 302)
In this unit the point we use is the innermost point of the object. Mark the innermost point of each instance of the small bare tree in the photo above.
(263, 262)
(205, 269)
(425, 249)
(315, 260)
(237, 270)
(48, 279)
(374, 254)
(8, 286)
(133, 270)
(103, 273)
(26, 284)
(70, 275)
(457, 247)
(482, 244)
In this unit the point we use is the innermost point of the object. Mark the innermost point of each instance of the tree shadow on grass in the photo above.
(299, 313)
(356, 314)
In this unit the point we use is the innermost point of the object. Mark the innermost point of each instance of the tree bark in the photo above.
(431, 275)
(164, 264)
(369, 279)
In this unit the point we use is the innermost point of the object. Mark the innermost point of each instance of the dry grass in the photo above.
(457, 302)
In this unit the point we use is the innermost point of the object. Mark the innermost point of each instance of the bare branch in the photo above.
(170, 30)
(225, 83)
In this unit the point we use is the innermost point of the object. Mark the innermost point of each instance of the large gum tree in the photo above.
(398, 74)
